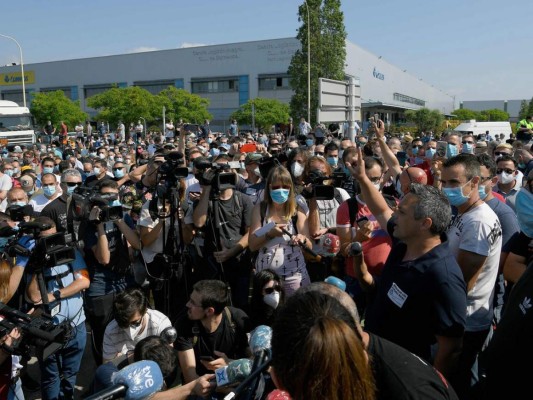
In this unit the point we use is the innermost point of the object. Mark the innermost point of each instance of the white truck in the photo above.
(480, 128)
(16, 124)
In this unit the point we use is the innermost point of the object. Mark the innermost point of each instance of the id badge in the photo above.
(54, 308)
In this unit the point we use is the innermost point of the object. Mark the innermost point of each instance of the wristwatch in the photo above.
(57, 295)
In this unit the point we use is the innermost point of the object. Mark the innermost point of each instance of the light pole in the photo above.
(144, 120)
(308, 66)
(21, 68)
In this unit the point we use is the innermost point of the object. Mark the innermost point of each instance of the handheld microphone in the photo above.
(260, 339)
(355, 249)
(303, 245)
(169, 334)
(260, 344)
(134, 382)
(236, 371)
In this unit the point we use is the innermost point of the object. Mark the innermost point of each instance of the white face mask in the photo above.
(377, 185)
(257, 172)
(505, 178)
(133, 332)
(297, 169)
(272, 299)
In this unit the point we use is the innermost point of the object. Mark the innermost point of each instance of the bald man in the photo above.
(410, 175)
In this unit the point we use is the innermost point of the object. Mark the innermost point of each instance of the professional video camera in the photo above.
(17, 213)
(85, 199)
(320, 191)
(40, 337)
(170, 171)
(219, 176)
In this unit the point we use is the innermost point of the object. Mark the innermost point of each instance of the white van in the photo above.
(16, 124)
(480, 128)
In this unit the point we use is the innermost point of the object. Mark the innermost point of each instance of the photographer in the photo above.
(227, 241)
(107, 256)
(64, 286)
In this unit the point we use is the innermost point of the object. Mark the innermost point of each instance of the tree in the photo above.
(125, 104)
(328, 52)
(530, 108)
(179, 103)
(267, 112)
(425, 119)
(465, 114)
(524, 106)
(493, 115)
(56, 107)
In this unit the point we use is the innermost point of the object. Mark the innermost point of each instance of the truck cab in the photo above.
(16, 124)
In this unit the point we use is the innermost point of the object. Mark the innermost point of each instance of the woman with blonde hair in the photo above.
(279, 248)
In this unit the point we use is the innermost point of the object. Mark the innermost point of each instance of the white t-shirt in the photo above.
(118, 340)
(478, 231)
(39, 201)
(5, 184)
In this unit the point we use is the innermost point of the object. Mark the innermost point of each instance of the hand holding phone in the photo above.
(441, 149)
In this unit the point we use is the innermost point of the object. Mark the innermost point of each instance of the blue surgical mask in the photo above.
(521, 165)
(455, 195)
(48, 170)
(309, 142)
(414, 150)
(18, 203)
(49, 191)
(118, 173)
(214, 152)
(430, 152)
(8, 172)
(333, 161)
(279, 196)
(482, 193)
(524, 211)
(451, 150)
(70, 190)
(347, 171)
(209, 140)
(468, 148)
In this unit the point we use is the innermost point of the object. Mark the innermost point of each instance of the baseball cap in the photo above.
(252, 157)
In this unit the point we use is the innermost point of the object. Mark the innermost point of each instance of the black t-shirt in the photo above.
(400, 375)
(48, 129)
(522, 245)
(231, 341)
(234, 216)
(57, 211)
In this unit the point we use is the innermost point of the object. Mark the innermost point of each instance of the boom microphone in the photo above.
(137, 381)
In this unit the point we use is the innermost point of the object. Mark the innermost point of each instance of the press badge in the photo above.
(396, 295)
(55, 309)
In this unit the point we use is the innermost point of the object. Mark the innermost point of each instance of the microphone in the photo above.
(333, 280)
(355, 249)
(135, 382)
(236, 371)
(303, 245)
(169, 334)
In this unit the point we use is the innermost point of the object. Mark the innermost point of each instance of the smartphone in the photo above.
(207, 358)
(248, 148)
(361, 221)
(441, 149)
(402, 157)
(376, 118)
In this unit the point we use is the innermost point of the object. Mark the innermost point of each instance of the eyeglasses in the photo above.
(468, 141)
(375, 180)
(500, 153)
(117, 168)
(276, 187)
(506, 170)
(72, 184)
(416, 147)
(270, 290)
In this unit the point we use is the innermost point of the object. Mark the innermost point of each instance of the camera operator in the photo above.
(64, 286)
(225, 244)
(99, 174)
(107, 256)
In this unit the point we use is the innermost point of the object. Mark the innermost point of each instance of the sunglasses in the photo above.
(117, 169)
(499, 153)
(276, 187)
(136, 324)
(270, 290)
(506, 170)
(416, 147)
(72, 184)
(318, 153)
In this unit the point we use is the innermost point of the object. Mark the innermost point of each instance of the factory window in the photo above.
(65, 90)
(408, 99)
(155, 87)
(91, 90)
(215, 86)
(274, 82)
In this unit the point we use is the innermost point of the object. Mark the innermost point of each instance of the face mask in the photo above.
(455, 195)
(3, 242)
(115, 203)
(309, 142)
(333, 161)
(111, 158)
(49, 191)
(377, 186)
(48, 170)
(505, 178)
(272, 299)
(132, 332)
(482, 193)
(118, 173)
(257, 172)
(8, 172)
(209, 140)
(451, 150)
(430, 152)
(214, 152)
(524, 211)
(93, 154)
(70, 190)
(279, 196)
(414, 150)
(297, 169)
(96, 171)
(119, 159)
(18, 203)
(521, 165)
(468, 148)
(101, 155)
(15, 171)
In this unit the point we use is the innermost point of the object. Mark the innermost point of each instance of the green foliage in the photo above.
(327, 38)
(530, 108)
(267, 113)
(56, 107)
(524, 107)
(425, 119)
(495, 114)
(125, 104)
(179, 103)
(464, 114)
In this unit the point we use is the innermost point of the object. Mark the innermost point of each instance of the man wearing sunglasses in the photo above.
(509, 179)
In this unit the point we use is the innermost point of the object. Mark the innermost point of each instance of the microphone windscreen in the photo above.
(236, 371)
(333, 280)
(142, 379)
(261, 338)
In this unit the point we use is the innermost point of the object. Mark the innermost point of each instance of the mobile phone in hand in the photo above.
(207, 358)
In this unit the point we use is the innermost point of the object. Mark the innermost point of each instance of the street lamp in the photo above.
(21, 68)
(308, 66)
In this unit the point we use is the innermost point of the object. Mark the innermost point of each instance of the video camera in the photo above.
(17, 213)
(84, 199)
(40, 337)
(221, 177)
(170, 171)
(320, 191)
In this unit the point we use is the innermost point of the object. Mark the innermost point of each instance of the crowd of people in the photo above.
(182, 242)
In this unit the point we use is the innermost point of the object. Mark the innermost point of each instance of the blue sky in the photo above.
(475, 49)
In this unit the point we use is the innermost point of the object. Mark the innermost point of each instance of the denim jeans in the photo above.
(15, 391)
(59, 371)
